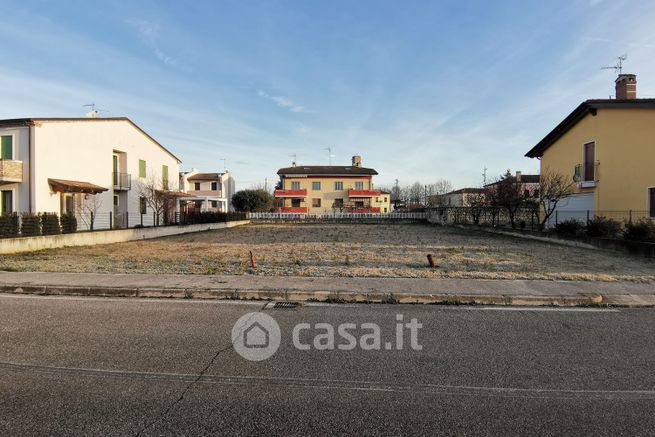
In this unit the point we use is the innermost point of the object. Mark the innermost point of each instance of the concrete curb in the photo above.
(344, 296)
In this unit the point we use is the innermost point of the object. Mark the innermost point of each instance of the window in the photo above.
(142, 168)
(338, 203)
(116, 201)
(7, 202)
(589, 162)
(196, 186)
(316, 203)
(164, 177)
(214, 186)
(338, 186)
(359, 185)
(651, 196)
(7, 147)
(295, 185)
(143, 205)
(214, 203)
(386, 200)
(295, 203)
(316, 186)
(385, 210)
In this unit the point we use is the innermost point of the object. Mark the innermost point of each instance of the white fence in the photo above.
(338, 216)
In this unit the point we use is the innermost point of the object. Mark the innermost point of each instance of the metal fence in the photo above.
(17, 225)
(339, 217)
(526, 218)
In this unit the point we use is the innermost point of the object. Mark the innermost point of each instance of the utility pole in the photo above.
(265, 184)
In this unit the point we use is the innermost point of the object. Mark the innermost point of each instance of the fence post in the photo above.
(587, 216)
(630, 216)
(91, 223)
(111, 220)
(556, 213)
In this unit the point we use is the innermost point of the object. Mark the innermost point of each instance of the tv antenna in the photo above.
(93, 113)
(224, 164)
(484, 176)
(330, 155)
(618, 67)
(295, 158)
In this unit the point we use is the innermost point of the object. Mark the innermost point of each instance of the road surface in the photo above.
(99, 366)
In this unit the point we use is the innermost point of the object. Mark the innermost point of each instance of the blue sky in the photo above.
(423, 90)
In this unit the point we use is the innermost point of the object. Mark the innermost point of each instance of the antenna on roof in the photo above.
(295, 159)
(93, 113)
(330, 155)
(224, 164)
(618, 67)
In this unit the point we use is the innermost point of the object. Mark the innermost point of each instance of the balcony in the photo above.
(363, 193)
(10, 171)
(297, 210)
(291, 193)
(122, 181)
(586, 175)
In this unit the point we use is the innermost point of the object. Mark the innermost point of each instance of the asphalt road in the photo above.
(76, 366)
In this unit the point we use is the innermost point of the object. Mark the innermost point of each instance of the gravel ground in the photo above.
(343, 250)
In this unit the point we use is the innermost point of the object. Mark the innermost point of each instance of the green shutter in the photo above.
(164, 176)
(142, 168)
(7, 151)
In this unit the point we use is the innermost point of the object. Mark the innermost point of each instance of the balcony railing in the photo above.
(586, 175)
(363, 193)
(291, 193)
(11, 171)
(122, 181)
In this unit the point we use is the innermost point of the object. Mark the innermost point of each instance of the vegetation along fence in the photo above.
(339, 217)
(30, 225)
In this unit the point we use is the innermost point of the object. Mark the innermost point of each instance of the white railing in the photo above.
(337, 216)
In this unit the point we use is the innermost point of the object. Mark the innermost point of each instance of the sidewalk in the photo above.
(333, 289)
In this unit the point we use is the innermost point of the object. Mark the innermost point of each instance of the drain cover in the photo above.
(286, 304)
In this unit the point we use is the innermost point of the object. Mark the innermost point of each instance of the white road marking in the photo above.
(549, 309)
(137, 299)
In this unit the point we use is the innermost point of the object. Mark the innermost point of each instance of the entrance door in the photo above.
(7, 202)
(651, 196)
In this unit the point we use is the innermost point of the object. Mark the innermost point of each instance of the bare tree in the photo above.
(506, 192)
(435, 192)
(416, 193)
(159, 199)
(553, 187)
(88, 206)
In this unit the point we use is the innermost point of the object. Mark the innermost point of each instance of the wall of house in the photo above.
(625, 150)
(83, 150)
(21, 152)
(327, 193)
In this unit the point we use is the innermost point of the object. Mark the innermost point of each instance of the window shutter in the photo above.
(142, 168)
(7, 149)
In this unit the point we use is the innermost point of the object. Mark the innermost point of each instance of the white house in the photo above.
(207, 191)
(81, 164)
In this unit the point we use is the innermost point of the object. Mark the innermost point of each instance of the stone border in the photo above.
(41, 242)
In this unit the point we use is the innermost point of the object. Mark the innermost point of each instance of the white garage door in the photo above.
(574, 206)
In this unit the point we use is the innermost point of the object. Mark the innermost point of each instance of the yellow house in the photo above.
(333, 188)
(608, 147)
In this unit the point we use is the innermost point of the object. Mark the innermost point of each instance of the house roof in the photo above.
(331, 170)
(525, 179)
(66, 186)
(205, 177)
(466, 190)
(31, 121)
(587, 107)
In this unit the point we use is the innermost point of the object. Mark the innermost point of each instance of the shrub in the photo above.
(603, 227)
(570, 227)
(9, 225)
(30, 225)
(642, 230)
(68, 223)
(210, 217)
(50, 224)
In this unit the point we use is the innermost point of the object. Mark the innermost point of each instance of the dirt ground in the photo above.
(343, 250)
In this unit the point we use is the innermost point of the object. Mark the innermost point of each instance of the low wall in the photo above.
(30, 244)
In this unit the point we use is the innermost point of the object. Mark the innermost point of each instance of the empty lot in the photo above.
(343, 250)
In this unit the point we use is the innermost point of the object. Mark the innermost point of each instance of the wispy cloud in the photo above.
(149, 34)
(282, 102)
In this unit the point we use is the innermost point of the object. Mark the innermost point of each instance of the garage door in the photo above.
(574, 206)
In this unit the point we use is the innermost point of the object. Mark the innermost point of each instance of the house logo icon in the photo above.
(256, 336)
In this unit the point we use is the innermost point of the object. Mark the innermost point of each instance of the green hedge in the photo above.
(50, 224)
(30, 224)
(210, 217)
(9, 226)
(68, 223)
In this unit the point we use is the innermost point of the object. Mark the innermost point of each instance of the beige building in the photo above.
(465, 197)
(607, 147)
(320, 189)
(207, 191)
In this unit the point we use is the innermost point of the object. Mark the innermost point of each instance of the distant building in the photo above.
(463, 197)
(333, 188)
(206, 191)
(529, 184)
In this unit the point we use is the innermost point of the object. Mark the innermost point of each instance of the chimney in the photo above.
(626, 87)
(518, 176)
(357, 161)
